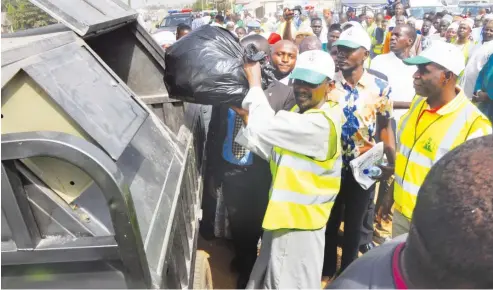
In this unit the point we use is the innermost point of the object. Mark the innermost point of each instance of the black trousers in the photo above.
(246, 195)
(352, 205)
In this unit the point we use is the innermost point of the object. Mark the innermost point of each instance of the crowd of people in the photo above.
(278, 164)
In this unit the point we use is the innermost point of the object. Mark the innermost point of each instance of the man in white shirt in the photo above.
(400, 75)
(304, 149)
(478, 59)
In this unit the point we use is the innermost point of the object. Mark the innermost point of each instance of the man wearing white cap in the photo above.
(441, 118)
(365, 102)
(304, 150)
(463, 41)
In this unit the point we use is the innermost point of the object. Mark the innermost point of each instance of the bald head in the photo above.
(310, 43)
(258, 41)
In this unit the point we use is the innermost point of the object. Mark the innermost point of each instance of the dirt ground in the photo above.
(221, 254)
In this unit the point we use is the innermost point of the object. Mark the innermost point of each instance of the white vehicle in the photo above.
(418, 8)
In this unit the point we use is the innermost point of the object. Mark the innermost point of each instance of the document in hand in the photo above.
(372, 157)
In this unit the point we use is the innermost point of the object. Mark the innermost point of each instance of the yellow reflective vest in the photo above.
(303, 189)
(419, 151)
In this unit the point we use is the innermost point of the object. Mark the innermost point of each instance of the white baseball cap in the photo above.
(354, 37)
(442, 53)
(313, 67)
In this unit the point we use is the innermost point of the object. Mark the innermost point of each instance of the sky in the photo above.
(142, 3)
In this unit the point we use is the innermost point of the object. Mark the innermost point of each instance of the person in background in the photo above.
(253, 27)
(477, 61)
(198, 22)
(436, 22)
(240, 32)
(444, 24)
(478, 21)
(463, 41)
(310, 43)
(351, 15)
(441, 118)
(287, 29)
(182, 30)
(231, 27)
(483, 96)
(317, 27)
(378, 36)
(335, 31)
(398, 11)
(451, 34)
(477, 33)
(365, 101)
(343, 18)
(298, 144)
(242, 177)
(218, 21)
(302, 33)
(399, 20)
(425, 33)
(283, 58)
(328, 17)
(239, 21)
(362, 20)
(371, 25)
(449, 242)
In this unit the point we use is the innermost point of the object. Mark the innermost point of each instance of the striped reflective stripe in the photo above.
(454, 131)
(406, 119)
(294, 197)
(310, 166)
(407, 186)
(415, 156)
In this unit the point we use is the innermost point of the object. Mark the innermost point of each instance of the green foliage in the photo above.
(24, 15)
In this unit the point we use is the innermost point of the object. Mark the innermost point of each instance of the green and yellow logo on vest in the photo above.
(429, 145)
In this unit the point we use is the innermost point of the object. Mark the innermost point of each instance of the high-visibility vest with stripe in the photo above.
(303, 189)
(419, 151)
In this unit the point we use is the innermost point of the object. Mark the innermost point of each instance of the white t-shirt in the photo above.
(400, 78)
(477, 60)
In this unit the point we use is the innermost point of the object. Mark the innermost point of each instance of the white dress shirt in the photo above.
(306, 134)
(400, 77)
(476, 62)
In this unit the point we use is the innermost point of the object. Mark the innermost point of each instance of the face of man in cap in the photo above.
(349, 59)
(430, 78)
(464, 31)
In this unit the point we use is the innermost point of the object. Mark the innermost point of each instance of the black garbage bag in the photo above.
(206, 67)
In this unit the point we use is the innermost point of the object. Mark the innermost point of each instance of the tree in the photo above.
(24, 15)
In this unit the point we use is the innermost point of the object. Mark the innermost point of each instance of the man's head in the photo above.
(370, 18)
(230, 26)
(465, 29)
(444, 24)
(351, 12)
(379, 18)
(302, 33)
(482, 11)
(438, 69)
(478, 21)
(436, 21)
(333, 53)
(219, 19)
(403, 37)
(412, 22)
(451, 33)
(182, 30)
(327, 15)
(425, 29)
(258, 41)
(310, 43)
(449, 244)
(284, 54)
(488, 31)
(317, 26)
(241, 32)
(385, 24)
(400, 20)
(353, 49)
(362, 18)
(343, 18)
(335, 31)
(399, 9)
(313, 79)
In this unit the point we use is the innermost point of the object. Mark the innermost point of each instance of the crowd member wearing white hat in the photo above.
(451, 33)
(441, 118)
(463, 41)
(304, 149)
(364, 99)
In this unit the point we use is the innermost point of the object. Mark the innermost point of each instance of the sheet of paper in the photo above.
(372, 157)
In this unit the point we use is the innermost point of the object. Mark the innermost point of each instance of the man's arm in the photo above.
(402, 105)
(306, 134)
(386, 133)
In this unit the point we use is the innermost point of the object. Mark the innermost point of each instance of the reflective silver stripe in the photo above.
(415, 156)
(406, 119)
(454, 132)
(290, 196)
(407, 186)
(309, 166)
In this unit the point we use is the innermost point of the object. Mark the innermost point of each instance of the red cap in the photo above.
(273, 38)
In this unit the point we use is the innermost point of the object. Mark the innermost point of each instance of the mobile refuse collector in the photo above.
(304, 150)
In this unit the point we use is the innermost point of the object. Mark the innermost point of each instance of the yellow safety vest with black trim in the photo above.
(303, 189)
(418, 153)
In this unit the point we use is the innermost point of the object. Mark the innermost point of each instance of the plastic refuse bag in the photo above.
(206, 67)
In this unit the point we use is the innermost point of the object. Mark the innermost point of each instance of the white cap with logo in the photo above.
(313, 67)
(354, 37)
(441, 53)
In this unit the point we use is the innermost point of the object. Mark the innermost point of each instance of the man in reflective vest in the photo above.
(304, 150)
(441, 118)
